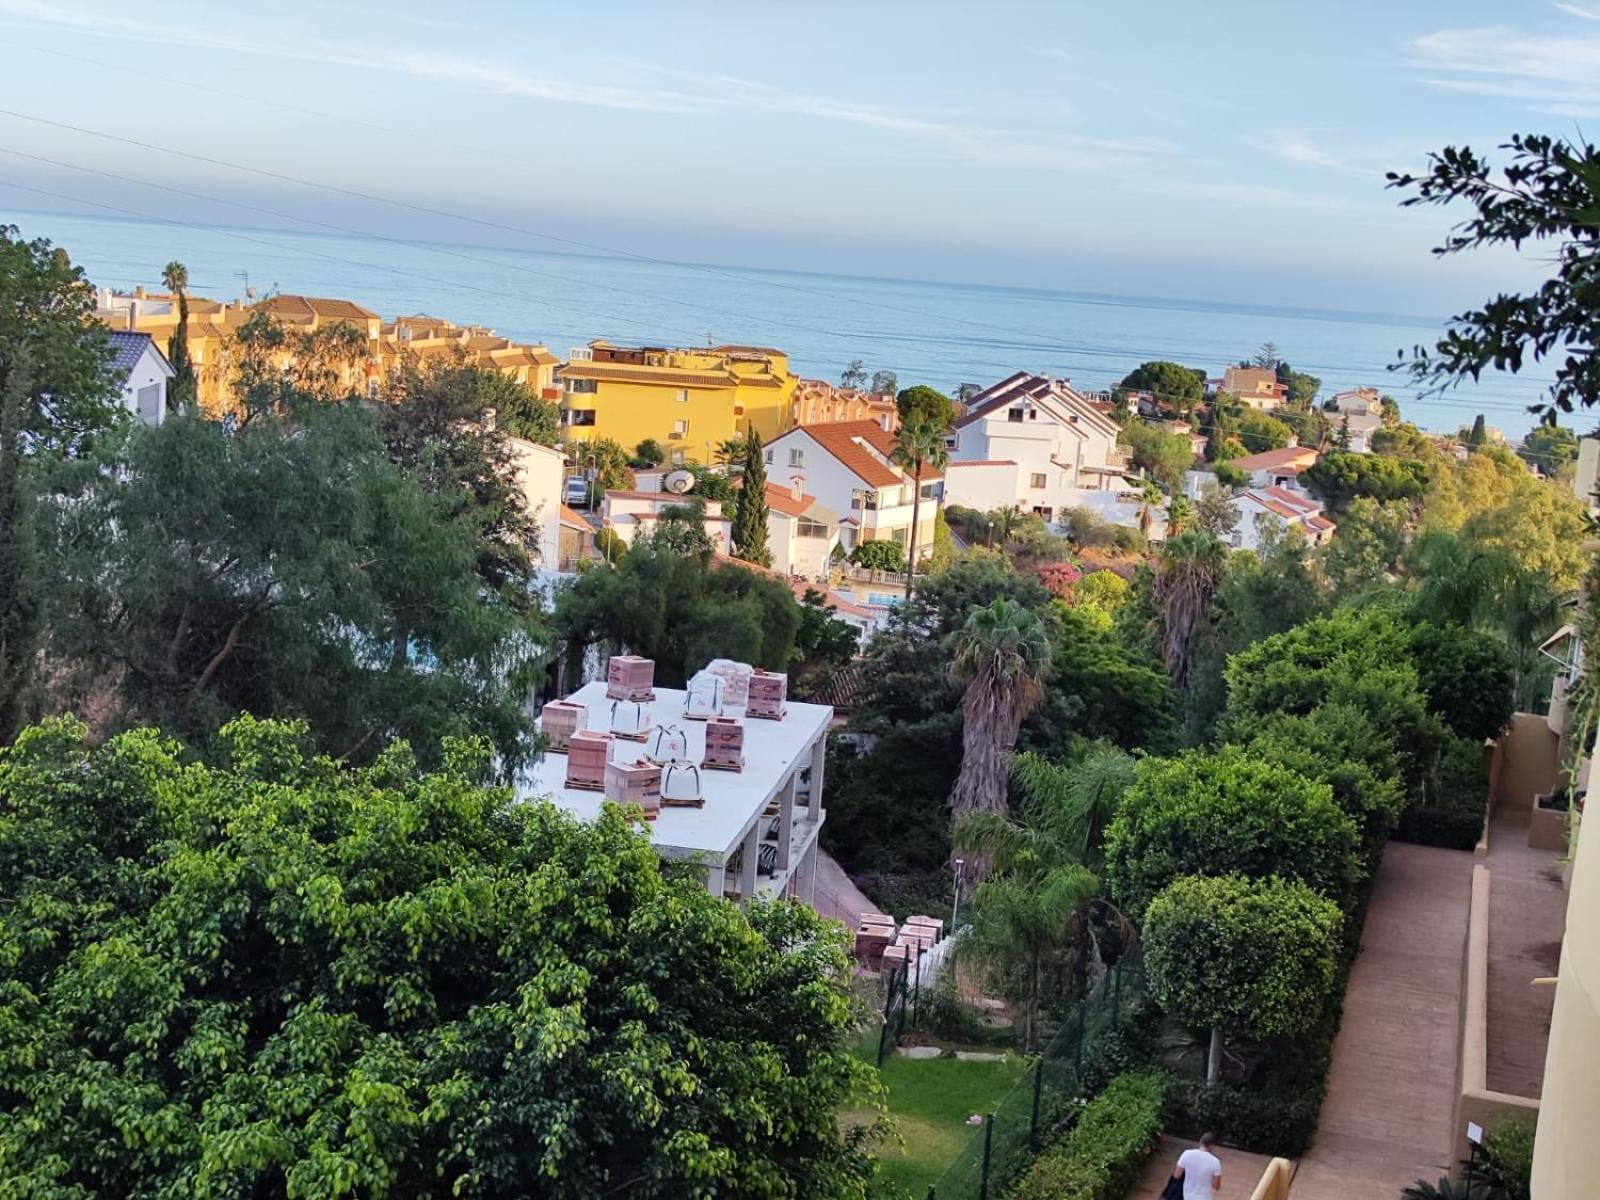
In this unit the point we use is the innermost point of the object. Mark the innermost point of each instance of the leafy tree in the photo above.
(854, 375)
(1215, 512)
(1166, 456)
(606, 459)
(711, 483)
(681, 531)
(1100, 594)
(1551, 448)
(1226, 812)
(289, 977)
(1179, 387)
(649, 453)
(1071, 804)
(50, 341)
(879, 555)
(1191, 567)
(823, 644)
(1099, 690)
(287, 569)
(750, 517)
(1402, 439)
(19, 566)
(1259, 432)
(675, 609)
(517, 409)
(1001, 653)
(884, 383)
(1308, 425)
(1469, 680)
(1341, 477)
(1367, 551)
(272, 367)
(919, 445)
(1390, 408)
(1302, 389)
(923, 403)
(944, 546)
(183, 388)
(1548, 195)
(1247, 957)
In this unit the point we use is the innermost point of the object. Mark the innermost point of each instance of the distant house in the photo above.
(801, 533)
(846, 466)
(1276, 468)
(142, 373)
(1033, 442)
(576, 540)
(632, 514)
(541, 471)
(1357, 400)
(1262, 508)
(1257, 387)
(1360, 426)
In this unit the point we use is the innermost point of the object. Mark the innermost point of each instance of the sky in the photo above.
(1227, 150)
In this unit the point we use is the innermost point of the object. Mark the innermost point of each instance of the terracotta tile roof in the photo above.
(782, 499)
(572, 519)
(315, 306)
(1293, 499)
(622, 373)
(843, 439)
(1289, 456)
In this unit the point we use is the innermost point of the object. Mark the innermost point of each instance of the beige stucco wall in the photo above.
(1569, 1115)
(1528, 760)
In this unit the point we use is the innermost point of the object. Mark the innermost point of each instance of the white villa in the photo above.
(1036, 443)
(143, 373)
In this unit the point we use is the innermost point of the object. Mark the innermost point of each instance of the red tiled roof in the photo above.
(843, 439)
(1297, 456)
(782, 499)
(572, 519)
(1292, 499)
(315, 306)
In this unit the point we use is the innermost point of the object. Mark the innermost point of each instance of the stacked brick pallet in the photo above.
(881, 947)
(559, 721)
(767, 692)
(587, 750)
(724, 744)
(874, 936)
(636, 782)
(629, 677)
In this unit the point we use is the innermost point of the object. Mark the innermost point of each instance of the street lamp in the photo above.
(593, 463)
(955, 909)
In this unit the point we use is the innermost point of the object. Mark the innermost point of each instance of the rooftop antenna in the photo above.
(249, 292)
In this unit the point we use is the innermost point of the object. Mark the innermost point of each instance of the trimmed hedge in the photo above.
(1101, 1157)
(1456, 802)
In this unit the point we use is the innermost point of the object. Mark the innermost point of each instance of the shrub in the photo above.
(1507, 1163)
(1226, 813)
(879, 556)
(1454, 803)
(1101, 1157)
(1467, 677)
(1261, 1120)
(1087, 527)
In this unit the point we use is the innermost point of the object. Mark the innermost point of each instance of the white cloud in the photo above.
(1550, 73)
(1297, 148)
(1577, 10)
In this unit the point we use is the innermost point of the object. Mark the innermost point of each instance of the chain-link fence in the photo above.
(1002, 1149)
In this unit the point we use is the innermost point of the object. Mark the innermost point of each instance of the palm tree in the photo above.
(920, 445)
(1073, 804)
(1003, 522)
(182, 390)
(1001, 653)
(1192, 566)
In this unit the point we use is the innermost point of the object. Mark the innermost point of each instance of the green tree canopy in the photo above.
(1246, 957)
(51, 345)
(1222, 813)
(923, 403)
(1258, 431)
(288, 568)
(879, 554)
(1179, 387)
(1166, 456)
(1551, 448)
(1547, 199)
(1469, 679)
(1341, 477)
(290, 978)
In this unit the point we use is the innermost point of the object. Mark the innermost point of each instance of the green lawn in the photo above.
(930, 1100)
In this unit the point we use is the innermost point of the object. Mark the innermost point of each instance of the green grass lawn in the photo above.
(930, 1100)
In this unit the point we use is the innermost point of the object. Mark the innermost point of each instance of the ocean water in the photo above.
(925, 331)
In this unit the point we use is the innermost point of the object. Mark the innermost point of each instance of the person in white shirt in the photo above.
(1200, 1170)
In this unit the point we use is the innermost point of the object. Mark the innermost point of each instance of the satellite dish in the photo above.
(679, 481)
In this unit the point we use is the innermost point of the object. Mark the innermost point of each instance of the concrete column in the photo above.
(714, 875)
(819, 758)
(786, 817)
(747, 873)
(806, 889)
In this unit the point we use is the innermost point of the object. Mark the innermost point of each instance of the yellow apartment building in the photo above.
(690, 401)
(214, 326)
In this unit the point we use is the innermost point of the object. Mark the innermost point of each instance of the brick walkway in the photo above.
(1526, 916)
(1386, 1119)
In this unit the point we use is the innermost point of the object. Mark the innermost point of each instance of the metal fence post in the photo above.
(988, 1139)
(1033, 1126)
(916, 996)
(930, 1192)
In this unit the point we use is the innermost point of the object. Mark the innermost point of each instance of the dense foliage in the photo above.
(1100, 1157)
(289, 978)
(1340, 477)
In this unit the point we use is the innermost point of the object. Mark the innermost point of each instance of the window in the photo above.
(581, 387)
(930, 490)
(768, 457)
(580, 416)
(864, 499)
(1036, 480)
(899, 537)
(1033, 414)
(683, 395)
(1014, 414)
(812, 529)
(797, 458)
(680, 429)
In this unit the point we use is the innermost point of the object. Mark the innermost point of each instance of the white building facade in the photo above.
(143, 374)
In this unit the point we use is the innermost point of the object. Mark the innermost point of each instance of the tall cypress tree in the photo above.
(750, 515)
(19, 597)
(1479, 433)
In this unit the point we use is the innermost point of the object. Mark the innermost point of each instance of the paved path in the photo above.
(1386, 1118)
(1240, 1171)
(1527, 907)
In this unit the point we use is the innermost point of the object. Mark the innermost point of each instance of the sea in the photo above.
(941, 333)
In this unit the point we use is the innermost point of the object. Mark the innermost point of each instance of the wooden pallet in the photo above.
(633, 737)
(767, 716)
(584, 785)
(700, 803)
(711, 766)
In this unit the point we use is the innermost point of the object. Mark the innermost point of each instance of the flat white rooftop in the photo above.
(773, 750)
